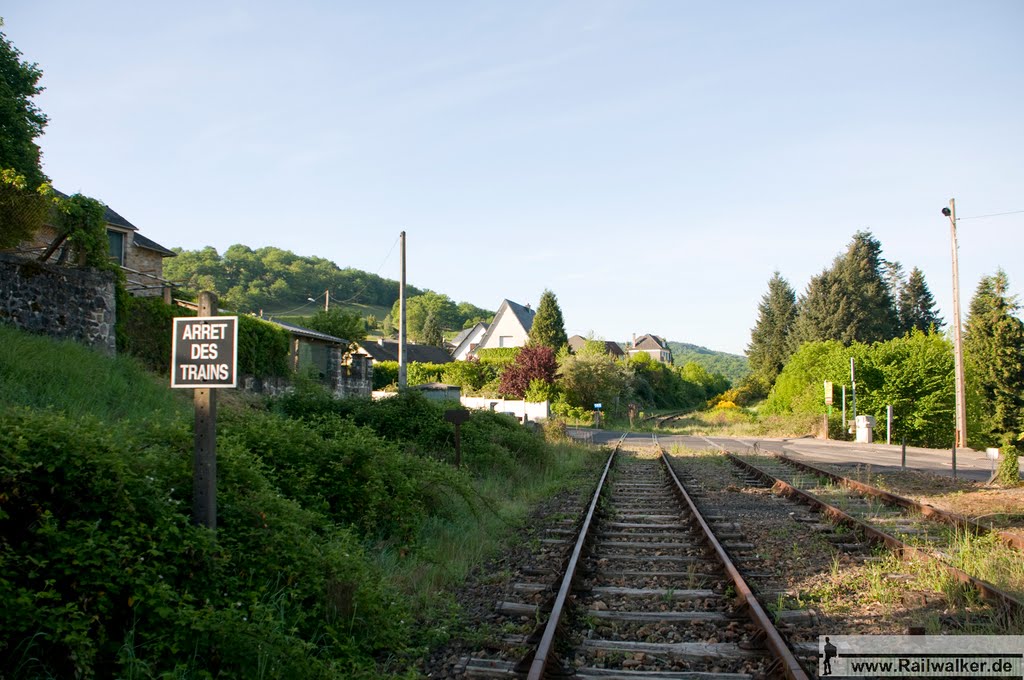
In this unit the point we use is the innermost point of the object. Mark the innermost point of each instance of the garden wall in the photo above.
(62, 302)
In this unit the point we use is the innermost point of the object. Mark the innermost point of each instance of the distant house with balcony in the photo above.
(510, 328)
(651, 345)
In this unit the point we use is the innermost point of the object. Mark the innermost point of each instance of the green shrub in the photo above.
(102, 573)
(422, 373)
(327, 462)
(147, 324)
(498, 357)
(263, 348)
(385, 373)
(1009, 466)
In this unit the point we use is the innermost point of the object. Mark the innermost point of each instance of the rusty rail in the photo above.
(1013, 606)
(789, 664)
(929, 511)
(539, 662)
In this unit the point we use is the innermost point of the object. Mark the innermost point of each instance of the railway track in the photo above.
(646, 589)
(903, 525)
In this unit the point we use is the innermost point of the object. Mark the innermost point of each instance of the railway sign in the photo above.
(204, 352)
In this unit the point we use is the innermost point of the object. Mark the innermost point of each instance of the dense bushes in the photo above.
(145, 328)
(102, 574)
(488, 439)
(914, 373)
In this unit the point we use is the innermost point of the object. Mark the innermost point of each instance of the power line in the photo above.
(978, 217)
(377, 273)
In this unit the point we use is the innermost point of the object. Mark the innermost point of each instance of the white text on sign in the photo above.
(209, 331)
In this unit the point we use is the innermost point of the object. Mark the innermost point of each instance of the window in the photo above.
(504, 341)
(116, 245)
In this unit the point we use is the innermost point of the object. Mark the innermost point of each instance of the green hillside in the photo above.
(732, 366)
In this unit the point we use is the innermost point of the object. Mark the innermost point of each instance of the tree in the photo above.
(770, 341)
(430, 334)
(345, 325)
(548, 327)
(994, 360)
(21, 121)
(916, 305)
(22, 210)
(533, 363)
(592, 376)
(418, 307)
(849, 302)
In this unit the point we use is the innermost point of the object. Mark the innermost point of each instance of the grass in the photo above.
(38, 372)
(447, 549)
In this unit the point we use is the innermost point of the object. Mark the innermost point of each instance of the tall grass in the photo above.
(448, 548)
(37, 372)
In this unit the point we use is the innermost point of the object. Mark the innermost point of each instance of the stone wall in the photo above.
(62, 302)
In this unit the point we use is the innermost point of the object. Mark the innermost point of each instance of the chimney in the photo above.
(634, 340)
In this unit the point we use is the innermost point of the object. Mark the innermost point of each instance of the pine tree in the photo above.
(994, 359)
(548, 327)
(431, 333)
(851, 301)
(770, 342)
(916, 305)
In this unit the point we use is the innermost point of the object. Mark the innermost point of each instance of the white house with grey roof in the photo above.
(463, 344)
(510, 328)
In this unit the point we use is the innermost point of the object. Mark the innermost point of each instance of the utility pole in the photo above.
(327, 300)
(402, 359)
(958, 350)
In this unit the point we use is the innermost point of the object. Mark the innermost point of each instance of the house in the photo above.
(510, 328)
(463, 344)
(652, 345)
(387, 350)
(323, 357)
(139, 257)
(577, 342)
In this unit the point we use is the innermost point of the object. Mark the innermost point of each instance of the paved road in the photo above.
(969, 464)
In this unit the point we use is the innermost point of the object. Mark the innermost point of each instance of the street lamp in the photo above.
(958, 353)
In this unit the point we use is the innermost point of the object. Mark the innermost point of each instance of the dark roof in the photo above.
(577, 342)
(109, 216)
(143, 242)
(387, 350)
(524, 315)
(464, 336)
(307, 333)
(650, 342)
(113, 218)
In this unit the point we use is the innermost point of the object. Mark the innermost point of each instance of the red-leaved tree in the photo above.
(535, 362)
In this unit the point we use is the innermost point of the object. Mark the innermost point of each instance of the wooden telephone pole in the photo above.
(958, 351)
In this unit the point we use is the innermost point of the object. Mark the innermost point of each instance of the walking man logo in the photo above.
(830, 653)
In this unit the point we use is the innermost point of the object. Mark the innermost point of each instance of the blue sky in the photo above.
(652, 163)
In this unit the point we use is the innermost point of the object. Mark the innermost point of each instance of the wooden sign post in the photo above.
(204, 357)
(457, 416)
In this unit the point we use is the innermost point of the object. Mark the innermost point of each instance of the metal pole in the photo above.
(903, 459)
(888, 424)
(958, 353)
(853, 387)
(954, 461)
(204, 457)
(402, 374)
